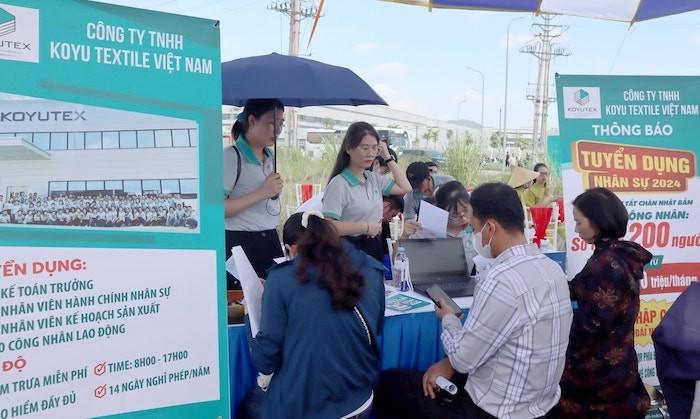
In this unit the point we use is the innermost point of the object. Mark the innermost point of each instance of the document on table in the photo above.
(239, 266)
(433, 219)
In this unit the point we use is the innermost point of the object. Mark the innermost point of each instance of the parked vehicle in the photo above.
(414, 154)
(397, 138)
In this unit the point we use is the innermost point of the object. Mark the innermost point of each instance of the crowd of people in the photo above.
(101, 210)
(533, 344)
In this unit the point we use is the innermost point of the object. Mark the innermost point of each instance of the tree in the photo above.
(430, 134)
(328, 122)
(450, 135)
(467, 138)
(496, 140)
(435, 137)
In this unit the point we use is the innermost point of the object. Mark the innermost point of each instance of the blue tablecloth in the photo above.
(409, 341)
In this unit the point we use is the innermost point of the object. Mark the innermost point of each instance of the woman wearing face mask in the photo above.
(353, 198)
(251, 185)
(601, 379)
(322, 312)
(454, 198)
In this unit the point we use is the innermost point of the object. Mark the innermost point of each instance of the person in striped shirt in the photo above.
(508, 356)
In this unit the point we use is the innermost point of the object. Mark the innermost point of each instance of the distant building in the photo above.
(312, 119)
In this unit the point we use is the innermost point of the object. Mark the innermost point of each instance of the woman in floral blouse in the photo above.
(600, 378)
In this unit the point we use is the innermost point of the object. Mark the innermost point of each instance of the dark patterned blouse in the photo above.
(600, 378)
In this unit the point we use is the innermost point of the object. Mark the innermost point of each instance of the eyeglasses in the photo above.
(459, 217)
(366, 149)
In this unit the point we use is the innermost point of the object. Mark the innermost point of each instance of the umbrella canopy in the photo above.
(621, 10)
(294, 81)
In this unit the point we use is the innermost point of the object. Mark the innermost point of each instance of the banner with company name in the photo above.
(637, 137)
(112, 297)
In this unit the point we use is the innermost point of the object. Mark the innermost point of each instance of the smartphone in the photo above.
(436, 294)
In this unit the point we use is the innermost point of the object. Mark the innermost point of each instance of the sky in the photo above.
(418, 60)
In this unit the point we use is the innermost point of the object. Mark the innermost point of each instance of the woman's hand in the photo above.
(410, 227)
(374, 229)
(384, 150)
(272, 186)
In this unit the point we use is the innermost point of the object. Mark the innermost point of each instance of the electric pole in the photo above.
(296, 14)
(545, 50)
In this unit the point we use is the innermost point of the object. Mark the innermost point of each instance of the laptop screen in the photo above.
(435, 257)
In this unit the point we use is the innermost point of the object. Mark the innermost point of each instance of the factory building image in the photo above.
(73, 165)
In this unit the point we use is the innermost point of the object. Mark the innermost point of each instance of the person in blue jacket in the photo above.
(321, 314)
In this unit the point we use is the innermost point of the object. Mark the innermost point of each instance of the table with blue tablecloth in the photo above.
(410, 340)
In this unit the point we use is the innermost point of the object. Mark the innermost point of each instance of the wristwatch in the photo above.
(390, 159)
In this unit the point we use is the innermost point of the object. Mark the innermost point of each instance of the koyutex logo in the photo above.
(7, 22)
(19, 33)
(581, 97)
(581, 102)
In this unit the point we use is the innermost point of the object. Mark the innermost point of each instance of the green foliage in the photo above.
(463, 157)
(496, 140)
(463, 162)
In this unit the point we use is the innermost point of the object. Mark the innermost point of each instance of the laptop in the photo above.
(441, 262)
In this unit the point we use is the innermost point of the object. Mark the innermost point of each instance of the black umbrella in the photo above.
(294, 81)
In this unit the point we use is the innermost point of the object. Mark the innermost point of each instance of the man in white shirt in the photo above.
(509, 354)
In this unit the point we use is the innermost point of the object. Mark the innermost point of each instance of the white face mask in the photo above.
(484, 251)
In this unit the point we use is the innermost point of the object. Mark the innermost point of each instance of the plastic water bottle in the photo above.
(397, 273)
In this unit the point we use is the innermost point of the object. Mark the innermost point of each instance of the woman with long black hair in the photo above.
(321, 315)
(353, 198)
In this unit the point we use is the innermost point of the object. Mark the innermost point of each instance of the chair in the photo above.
(553, 231)
(305, 191)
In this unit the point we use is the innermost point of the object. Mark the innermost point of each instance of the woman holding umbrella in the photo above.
(353, 197)
(251, 185)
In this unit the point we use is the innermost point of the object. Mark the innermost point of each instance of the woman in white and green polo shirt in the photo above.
(251, 185)
(353, 198)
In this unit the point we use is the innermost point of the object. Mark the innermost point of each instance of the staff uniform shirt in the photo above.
(263, 215)
(347, 199)
(513, 343)
(412, 199)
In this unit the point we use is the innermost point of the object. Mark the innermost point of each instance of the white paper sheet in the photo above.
(433, 219)
(250, 283)
(315, 203)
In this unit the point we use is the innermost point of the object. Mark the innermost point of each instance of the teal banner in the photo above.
(112, 293)
(637, 137)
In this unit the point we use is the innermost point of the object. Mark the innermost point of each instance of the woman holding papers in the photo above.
(353, 197)
(321, 315)
(454, 198)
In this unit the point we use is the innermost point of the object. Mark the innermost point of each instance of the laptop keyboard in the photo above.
(448, 286)
(455, 286)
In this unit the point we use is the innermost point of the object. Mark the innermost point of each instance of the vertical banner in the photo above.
(637, 136)
(112, 297)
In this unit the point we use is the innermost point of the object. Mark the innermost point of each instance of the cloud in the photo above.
(397, 100)
(389, 69)
(364, 48)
